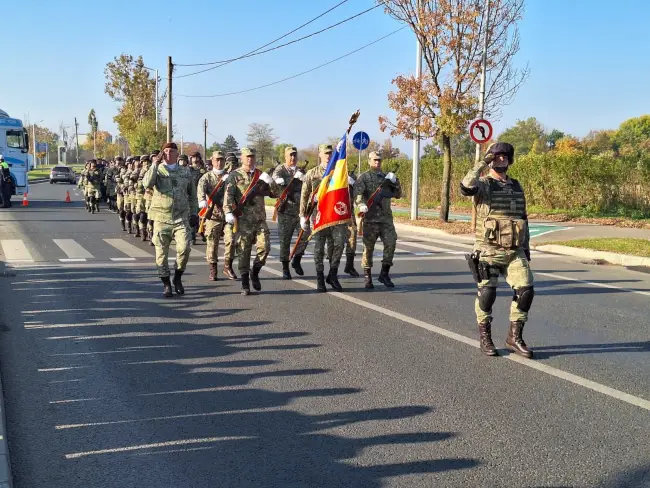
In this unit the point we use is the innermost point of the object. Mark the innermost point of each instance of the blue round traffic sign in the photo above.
(361, 140)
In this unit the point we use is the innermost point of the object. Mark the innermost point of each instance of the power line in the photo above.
(228, 61)
(275, 40)
(296, 75)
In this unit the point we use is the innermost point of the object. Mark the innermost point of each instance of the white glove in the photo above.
(266, 178)
(363, 208)
(299, 175)
(339, 145)
(203, 204)
(304, 223)
(316, 198)
(350, 180)
(391, 177)
(230, 218)
(279, 181)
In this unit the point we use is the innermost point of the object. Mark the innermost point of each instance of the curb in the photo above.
(609, 257)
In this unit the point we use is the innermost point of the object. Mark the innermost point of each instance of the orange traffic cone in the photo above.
(67, 197)
(25, 202)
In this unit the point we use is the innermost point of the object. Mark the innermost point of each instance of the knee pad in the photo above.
(524, 297)
(143, 218)
(486, 298)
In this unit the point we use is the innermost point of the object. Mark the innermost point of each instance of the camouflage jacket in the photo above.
(197, 174)
(292, 206)
(236, 185)
(366, 185)
(93, 179)
(82, 177)
(174, 194)
(119, 178)
(207, 183)
(109, 180)
(139, 186)
(312, 180)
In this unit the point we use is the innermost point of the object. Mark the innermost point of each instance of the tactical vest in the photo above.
(501, 218)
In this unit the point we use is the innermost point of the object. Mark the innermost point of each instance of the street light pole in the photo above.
(415, 173)
(156, 100)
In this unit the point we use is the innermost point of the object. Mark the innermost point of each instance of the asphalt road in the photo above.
(107, 384)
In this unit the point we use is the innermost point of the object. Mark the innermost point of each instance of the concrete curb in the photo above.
(610, 257)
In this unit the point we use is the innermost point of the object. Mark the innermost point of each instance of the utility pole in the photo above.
(481, 99)
(415, 173)
(76, 137)
(182, 144)
(157, 101)
(170, 70)
(34, 133)
(205, 138)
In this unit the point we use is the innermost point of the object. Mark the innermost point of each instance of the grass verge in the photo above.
(632, 247)
(455, 227)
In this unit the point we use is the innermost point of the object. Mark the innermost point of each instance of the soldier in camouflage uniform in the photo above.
(83, 181)
(502, 245)
(140, 211)
(214, 227)
(173, 209)
(93, 186)
(230, 238)
(109, 183)
(338, 233)
(148, 195)
(351, 241)
(378, 220)
(132, 174)
(252, 223)
(288, 219)
(120, 190)
(197, 168)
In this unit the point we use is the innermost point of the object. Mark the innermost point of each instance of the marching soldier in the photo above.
(230, 238)
(214, 226)
(351, 241)
(148, 195)
(120, 190)
(377, 217)
(83, 182)
(288, 219)
(337, 232)
(197, 169)
(173, 209)
(247, 180)
(140, 211)
(501, 247)
(129, 196)
(93, 179)
(109, 183)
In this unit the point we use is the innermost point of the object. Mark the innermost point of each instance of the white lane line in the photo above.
(122, 259)
(16, 250)
(592, 283)
(72, 260)
(440, 241)
(558, 373)
(127, 248)
(74, 400)
(47, 370)
(429, 248)
(72, 249)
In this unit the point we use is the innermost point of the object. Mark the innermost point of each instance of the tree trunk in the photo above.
(446, 178)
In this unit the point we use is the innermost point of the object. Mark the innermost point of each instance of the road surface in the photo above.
(108, 384)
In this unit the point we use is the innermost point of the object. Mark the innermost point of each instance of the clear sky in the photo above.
(589, 62)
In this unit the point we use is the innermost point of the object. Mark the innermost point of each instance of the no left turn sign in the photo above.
(480, 131)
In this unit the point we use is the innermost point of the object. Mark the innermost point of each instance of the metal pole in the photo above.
(205, 138)
(170, 69)
(415, 174)
(76, 137)
(359, 173)
(34, 134)
(156, 102)
(181, 143)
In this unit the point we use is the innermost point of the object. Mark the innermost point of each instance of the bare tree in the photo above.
(261, 137)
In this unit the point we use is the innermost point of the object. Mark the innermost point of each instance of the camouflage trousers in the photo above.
(214, 229)
(92, 192)
(120, 202)
(378, 230)
(163, 233)
(337, 234)
(514, 267)
(350, 242)
(147, 205)
(287, 225)
(256, 233)
(230, 243)
(110, 191)
(140, 212)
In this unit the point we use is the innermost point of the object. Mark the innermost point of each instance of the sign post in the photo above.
(360, 141)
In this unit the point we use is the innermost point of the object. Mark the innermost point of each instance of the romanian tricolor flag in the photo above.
(333, 193)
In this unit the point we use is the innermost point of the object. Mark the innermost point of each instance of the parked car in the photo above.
(63, 173)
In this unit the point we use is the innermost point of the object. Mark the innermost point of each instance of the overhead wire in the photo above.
(296, 75)
(228, 61)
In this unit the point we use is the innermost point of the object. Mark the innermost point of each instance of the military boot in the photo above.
(349, 266)
(333, 280)
(123, 224)
(137, 230)
(295, 264)
(92, 206)
(485, 333)
(383, 276)
(144, 234)
(367, 279)
(515, 341)
(320, 281)
(167, 290)
(255, 277)
(286, 274)
(178, 285)
(96, 206)
(245, 285)
(228, 271)
(213, 271)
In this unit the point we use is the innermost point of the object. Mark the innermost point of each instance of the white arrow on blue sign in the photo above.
(361, 140)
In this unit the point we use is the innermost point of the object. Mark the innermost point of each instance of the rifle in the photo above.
(206, 213)
(281, 201)
(308, 211)
(376, 198)
(238, 210)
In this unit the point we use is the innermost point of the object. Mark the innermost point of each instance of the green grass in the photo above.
(44, 171)
(633, 247)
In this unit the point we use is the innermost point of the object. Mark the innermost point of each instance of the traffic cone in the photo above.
(67, 196)
(25, 202)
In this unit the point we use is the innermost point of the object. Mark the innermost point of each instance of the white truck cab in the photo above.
(14, 146)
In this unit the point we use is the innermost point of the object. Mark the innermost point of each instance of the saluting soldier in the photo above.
(173, 209)
(378, 218)
(214, 226)
(230, 238)
(288, 218)
(501, 247)
(252, 222)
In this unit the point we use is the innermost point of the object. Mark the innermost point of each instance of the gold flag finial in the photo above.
(353, 119)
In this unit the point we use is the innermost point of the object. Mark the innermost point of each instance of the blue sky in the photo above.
(588, 60)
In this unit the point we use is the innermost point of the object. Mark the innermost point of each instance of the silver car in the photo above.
(63, 173)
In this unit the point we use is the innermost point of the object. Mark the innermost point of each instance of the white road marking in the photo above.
(558, 373)
(15, 250)
(48, 370)
(128, 248)
(72, 260)
(72, 249)
(122, 259)
(592, 283)
(74, 400)
(429, 248)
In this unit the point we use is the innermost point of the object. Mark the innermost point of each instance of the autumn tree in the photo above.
(387, 150)
(525, 135)
(633, 136)
(94, 125)
(213, 148)
(261, 138)
(600, 141)
(554, 136)
(440, 103)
